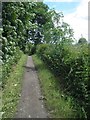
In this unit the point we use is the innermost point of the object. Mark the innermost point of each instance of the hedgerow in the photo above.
(70, 62)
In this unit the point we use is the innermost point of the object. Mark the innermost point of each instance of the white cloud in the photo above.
(78, 20)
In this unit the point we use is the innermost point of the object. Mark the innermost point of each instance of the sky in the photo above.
(75, 14)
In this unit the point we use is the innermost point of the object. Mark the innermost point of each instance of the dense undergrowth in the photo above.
(71, 64)
(57, 103)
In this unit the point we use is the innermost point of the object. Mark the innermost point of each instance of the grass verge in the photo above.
(56, 102)
(12, 90)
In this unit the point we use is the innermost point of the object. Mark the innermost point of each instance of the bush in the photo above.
(41, 49)
(71, 63)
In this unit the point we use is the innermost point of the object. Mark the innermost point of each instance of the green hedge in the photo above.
(70, 62)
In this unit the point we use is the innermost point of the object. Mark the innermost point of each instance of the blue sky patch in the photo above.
(65, 7)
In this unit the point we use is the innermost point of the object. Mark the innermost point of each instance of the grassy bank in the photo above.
(12, 90)
(57, 103)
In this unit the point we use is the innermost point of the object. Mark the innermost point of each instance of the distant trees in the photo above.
(82, 40)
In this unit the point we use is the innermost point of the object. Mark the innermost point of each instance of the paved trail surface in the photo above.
(30, 105)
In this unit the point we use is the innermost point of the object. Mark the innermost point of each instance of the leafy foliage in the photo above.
(26, 26)
(22, 25)
(1, 53)
(70, 62)
(82, 40)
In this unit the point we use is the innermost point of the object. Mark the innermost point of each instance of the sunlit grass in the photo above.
(12, 90)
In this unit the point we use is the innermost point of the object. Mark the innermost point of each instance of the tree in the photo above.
(82, 40)
(35, 32)
(33, 22)
(55, 30)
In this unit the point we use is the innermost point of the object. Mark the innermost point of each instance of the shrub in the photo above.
(71, 63)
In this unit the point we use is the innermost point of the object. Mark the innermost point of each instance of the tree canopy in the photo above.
(82, 40)
(31, 22)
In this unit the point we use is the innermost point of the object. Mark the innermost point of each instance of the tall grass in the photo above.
(12, 89)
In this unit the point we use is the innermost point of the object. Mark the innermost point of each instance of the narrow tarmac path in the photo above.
(30, 104)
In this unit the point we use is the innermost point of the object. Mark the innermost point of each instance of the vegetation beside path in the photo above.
(71, 64)
(12, 90)
(34, 28)
(55, 99)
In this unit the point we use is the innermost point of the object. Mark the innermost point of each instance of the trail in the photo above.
(31, 104)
